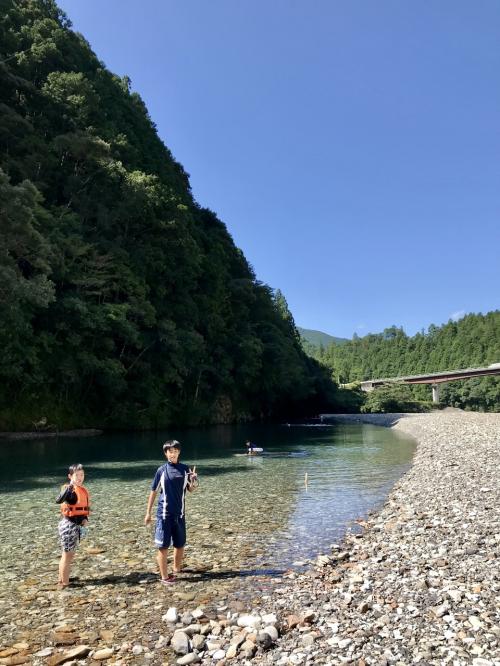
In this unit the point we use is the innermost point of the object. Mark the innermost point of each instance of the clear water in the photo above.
(250, 514)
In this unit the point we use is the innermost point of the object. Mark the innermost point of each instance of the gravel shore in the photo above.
(415, 583)
(420, 585)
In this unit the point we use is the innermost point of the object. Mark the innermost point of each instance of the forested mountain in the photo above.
(473, 341)
(122, 301)
(318, 338)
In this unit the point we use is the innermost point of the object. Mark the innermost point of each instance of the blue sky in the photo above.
(351, 147)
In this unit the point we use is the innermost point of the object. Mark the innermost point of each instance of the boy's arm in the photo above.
(67, 495)
(151, 501)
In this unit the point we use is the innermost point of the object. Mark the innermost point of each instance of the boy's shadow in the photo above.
(187, 575)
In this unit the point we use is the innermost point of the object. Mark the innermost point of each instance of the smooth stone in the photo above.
(101, 655)
(272, 631)
(198, 642)
(171, 615)
(180, 643)
(249, 621)
(190, 658)
(264, 640)
(270, 618)
(218, 655)
(187, 618)
(46, 652)
(232, 651)
(192, 629)
(186, 596)
(78, 652)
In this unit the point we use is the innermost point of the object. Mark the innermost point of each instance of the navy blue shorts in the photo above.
(170, 531)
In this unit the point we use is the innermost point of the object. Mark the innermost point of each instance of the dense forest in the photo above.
(122, 301)
(471, 342)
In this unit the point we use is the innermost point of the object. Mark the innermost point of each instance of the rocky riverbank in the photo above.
(415, 583)
(420, 584)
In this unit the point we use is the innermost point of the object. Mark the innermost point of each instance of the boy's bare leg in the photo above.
(178, 557)
(64, 567)
(161, 558)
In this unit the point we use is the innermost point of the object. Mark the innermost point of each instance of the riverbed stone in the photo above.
(76, 653)
(180, 643)
(272, 631)
(249, 621)
(190, 658)
(101, 655)
(171, 615)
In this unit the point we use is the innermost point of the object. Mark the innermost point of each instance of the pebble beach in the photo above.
(414, 583)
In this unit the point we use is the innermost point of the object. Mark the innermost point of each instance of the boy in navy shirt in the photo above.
(172, 479)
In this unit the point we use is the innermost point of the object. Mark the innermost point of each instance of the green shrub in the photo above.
(394, 398)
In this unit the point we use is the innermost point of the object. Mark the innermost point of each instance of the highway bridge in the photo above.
(434, 378)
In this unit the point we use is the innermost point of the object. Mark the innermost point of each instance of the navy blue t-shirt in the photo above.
(171, 480)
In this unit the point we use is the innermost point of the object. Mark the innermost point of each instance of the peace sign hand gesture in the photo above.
(193, 479)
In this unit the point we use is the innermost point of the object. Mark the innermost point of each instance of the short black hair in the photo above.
(74, 468)
(171, 444)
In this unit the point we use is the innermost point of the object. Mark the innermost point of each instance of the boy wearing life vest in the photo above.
(74, 501)
(172, 480)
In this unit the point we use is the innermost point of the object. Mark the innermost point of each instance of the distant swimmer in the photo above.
(252, 450)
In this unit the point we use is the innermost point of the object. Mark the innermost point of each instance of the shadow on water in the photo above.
(39, 463)
(124, 474)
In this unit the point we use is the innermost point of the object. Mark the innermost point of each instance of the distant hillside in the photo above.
(471, 342)
(318, 338)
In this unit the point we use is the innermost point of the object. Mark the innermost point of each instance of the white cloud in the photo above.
(457, 315)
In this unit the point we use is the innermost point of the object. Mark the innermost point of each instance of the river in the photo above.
(250, 515)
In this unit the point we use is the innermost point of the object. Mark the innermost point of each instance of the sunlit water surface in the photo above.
(249, 514)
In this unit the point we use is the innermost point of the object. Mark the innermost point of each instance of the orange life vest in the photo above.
(81, 508)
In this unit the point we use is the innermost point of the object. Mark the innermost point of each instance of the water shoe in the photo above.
(169, 580)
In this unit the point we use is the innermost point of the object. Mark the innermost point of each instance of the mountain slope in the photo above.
(122, 301)
(318, 338)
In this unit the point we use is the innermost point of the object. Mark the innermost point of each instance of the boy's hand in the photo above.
(193, 478)
(85, 523)
(147, 518)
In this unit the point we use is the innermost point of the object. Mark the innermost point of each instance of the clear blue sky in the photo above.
(351, 147)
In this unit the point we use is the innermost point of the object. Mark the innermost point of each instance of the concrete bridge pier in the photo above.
(435, 392)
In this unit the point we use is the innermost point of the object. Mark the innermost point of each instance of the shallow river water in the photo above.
(250, 521)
